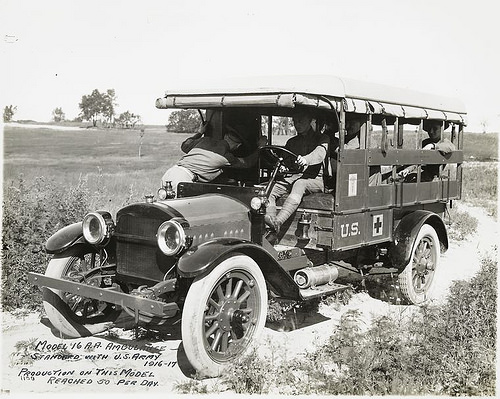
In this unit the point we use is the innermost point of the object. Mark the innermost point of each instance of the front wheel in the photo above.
(224, 312)
(416, 280)
(72, 315)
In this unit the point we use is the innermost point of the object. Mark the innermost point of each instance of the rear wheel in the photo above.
(73, 315)
(416, 280)
(224, 312)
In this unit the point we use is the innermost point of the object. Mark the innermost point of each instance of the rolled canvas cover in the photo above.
(322, 92)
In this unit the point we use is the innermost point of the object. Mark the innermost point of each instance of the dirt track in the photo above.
(116, 362)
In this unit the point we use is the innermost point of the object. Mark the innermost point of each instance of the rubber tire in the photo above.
(58, 312)
(406, 277)
(192, 325)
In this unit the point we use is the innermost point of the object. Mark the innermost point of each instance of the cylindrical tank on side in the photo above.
(314, 276)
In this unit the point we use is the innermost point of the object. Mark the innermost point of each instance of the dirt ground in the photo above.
(118, 362)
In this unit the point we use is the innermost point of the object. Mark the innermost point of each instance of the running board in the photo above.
(325, 289)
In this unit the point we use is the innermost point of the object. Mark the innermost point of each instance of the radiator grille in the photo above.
(141, 226)
(141, 259)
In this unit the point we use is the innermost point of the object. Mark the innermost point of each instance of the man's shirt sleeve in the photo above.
(318, 155)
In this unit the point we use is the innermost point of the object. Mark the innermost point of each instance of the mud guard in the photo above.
(65, 238)
(406, 233)
(205, 257)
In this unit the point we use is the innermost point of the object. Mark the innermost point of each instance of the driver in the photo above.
(206, 156)
(311, 148)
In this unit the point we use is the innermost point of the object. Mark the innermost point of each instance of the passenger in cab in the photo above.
(351, 138)
(433, 142)
(353, 128)
(311, 147)
(206, 156)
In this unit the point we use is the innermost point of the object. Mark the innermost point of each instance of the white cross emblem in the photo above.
(378, 225)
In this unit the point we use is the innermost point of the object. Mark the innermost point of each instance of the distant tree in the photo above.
(109, 104)
(98, 105)
(281, 125)
(8, 112)
(58, 115)
(128, 120)
(184, 121)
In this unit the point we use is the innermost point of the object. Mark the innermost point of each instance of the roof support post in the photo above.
(419, 135)
(399, 136)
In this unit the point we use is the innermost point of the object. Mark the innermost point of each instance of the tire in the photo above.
(71, 315)
(416, 280)
(224, 313)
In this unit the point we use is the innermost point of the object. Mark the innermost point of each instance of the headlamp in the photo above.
(97, 226)
(171, 237)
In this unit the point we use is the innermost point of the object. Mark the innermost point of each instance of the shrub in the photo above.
(464, 335)
(23, 355)
(31, 213)
(184, 121)
(448, 349)
(194, 386)
(249, 375)
(462, 224)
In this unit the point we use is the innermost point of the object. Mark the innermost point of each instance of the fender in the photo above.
(205, 257)
(65, 238)
(406, 233)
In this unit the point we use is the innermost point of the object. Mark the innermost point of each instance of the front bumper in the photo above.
(140, 304)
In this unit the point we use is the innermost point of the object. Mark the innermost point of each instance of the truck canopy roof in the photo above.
(318, 91)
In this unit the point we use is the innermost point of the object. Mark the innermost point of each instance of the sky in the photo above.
(54, 52)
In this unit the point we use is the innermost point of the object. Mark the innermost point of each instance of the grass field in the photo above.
(108, 159)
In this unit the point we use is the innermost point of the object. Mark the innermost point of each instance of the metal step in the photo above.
(326, 289)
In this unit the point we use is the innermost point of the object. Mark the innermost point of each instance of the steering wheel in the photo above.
(282, 156)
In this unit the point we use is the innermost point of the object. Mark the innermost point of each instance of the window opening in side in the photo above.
(407, 137)
(355, 132)
(279, 129)
(449, 170)
(382, 132)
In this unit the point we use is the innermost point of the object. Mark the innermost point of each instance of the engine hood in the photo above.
(213, 216)
(209, 216)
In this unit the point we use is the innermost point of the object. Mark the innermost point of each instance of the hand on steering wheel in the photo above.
(283, 156)
(301, 161)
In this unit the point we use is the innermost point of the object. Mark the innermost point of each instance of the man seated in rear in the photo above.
(433, 142)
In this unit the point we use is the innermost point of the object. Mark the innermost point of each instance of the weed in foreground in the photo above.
(23, 353)
(249, 375)
(31, 213)
(462, 225)
(340, 298)
(193, 386)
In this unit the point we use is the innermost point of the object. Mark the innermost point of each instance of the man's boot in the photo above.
(289, 207)
(270, 216)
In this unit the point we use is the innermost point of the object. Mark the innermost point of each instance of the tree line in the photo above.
(95, 107)
(189, 120)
